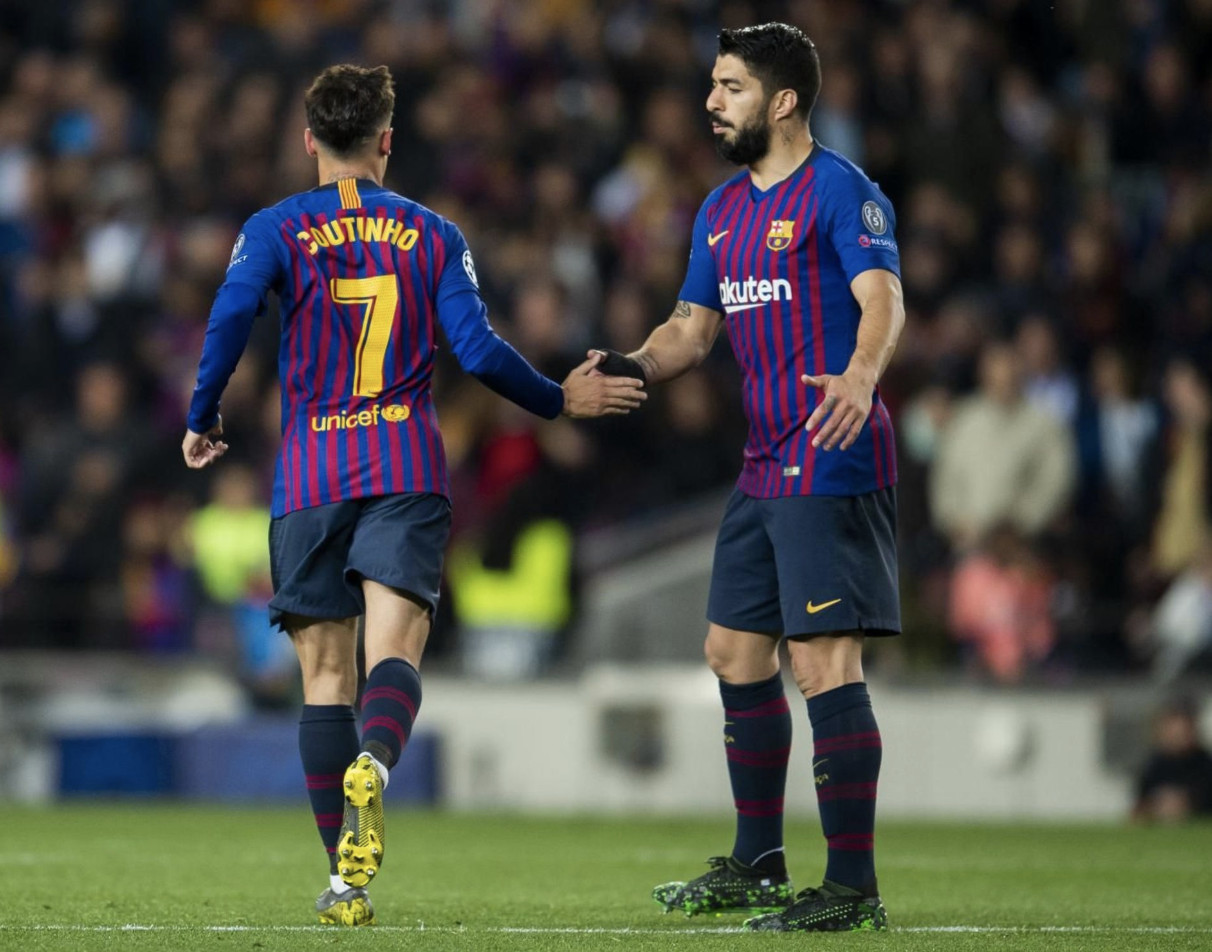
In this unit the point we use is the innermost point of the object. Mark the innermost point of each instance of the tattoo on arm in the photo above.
(682, 309)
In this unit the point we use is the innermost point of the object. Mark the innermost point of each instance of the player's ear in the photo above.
(385, 142)
(309, 143)
(785, 101)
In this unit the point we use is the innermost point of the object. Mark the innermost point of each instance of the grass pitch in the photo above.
(167, 877)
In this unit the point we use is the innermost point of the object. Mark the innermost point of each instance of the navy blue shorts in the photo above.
(803, 565)
(319, 556)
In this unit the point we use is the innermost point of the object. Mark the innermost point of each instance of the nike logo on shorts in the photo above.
(813, 609)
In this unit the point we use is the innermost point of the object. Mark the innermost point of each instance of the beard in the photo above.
(750, 144)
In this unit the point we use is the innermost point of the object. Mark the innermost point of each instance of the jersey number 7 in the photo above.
(380, 295)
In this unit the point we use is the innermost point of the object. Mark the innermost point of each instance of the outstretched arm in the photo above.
(679, 344)
(492, 361)
(227, 332)
(848, 395)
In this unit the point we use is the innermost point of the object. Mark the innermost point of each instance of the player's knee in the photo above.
(718, 658)
(740, 662)
(824, 663)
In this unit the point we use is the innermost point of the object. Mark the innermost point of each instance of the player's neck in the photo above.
(782, 160)
(343, 170)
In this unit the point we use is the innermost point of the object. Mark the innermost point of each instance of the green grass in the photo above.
(72, 877)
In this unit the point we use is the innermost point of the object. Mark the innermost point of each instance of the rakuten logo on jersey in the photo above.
(742, 295)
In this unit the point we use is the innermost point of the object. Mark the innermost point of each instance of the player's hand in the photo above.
(614, 364)
(844, 410)
(202, 449)
(590, 393)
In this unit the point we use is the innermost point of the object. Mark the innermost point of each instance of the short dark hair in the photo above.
(781, 57)
(346, 105)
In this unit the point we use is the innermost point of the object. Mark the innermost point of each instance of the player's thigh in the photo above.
(744, 594)
(836, 563)
(399, 542)
(308, 551)
(397, 624)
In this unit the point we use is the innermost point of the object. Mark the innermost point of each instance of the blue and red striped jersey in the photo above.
(778, 265)
(363, 276)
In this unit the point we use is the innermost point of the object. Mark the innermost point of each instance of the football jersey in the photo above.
(778, 265)
(361, 273)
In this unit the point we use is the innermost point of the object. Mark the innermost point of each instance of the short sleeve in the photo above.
(254, 258)
(701, 285)
(459, 271)
(861, 226)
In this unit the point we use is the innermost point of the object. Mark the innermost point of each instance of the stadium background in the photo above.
(1050, 165)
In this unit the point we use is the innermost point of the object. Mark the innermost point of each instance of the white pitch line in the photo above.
(588, 930)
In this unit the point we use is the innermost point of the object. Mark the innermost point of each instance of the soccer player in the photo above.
(360, 508)
(795, 255)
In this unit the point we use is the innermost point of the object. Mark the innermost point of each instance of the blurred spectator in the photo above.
(514, 583)
(1117, 433)
(155, 583)
(1000, 607)
(1000, 459)
(227, 539)
(1182, 527)
(1176, 781)
(1048, 381)
(1181, 629)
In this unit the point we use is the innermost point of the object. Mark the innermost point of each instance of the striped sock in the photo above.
(757, 741)
(328, 743)
(389, 706)
(846, 765)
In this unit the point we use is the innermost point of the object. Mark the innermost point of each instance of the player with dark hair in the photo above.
(796, 256)
(360, 502)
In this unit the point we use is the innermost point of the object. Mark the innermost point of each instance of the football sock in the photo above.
(337, 884)
(846, 767)
(389, 706)
(379, 767)
(757, 741)
(328, 742)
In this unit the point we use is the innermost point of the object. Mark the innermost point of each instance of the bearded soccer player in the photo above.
(795, 255)
(360, 501)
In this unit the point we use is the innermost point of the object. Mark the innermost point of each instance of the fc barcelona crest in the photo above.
(781, 234)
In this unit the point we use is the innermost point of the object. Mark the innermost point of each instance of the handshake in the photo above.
(606, 383)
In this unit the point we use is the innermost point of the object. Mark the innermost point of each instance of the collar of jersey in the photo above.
(758, 194)
(363, 184)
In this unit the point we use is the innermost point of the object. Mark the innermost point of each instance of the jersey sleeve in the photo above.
(254, 269)
(861, 226)
(255, 259)
(477, 347)
(701, 285)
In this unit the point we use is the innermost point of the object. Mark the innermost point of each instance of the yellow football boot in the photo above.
(350, 908)
(360, 844)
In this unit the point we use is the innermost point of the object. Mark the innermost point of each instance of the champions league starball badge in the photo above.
(874, 218)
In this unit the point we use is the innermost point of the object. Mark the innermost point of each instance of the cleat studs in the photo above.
(370, 873)
(369, 785)
(345, 870)
(345, 852)
(349, 784)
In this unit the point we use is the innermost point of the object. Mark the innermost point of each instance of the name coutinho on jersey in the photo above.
(358, 228)
(348, 420)
(738, 295)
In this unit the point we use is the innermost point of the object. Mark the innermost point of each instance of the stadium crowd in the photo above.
(1050, 163)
